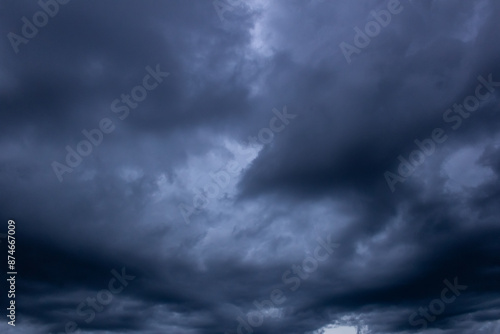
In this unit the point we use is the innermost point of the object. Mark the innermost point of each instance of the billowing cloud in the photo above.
(251, 167)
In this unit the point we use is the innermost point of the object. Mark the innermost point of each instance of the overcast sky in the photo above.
(284, 166)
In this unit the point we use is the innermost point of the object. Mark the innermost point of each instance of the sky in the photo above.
(229, 166)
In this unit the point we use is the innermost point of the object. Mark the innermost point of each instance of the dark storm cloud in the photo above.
(321, 178)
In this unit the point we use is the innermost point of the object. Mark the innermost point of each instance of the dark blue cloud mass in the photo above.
(230, 166)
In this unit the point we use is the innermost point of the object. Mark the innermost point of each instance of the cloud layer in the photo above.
(216, 201)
